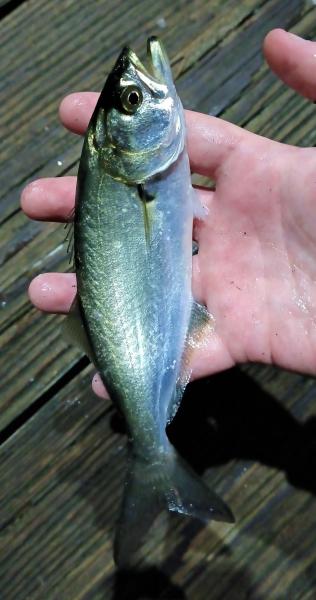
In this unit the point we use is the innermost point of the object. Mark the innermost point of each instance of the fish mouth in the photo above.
(132, 58)
(159, 64)
(159, 60)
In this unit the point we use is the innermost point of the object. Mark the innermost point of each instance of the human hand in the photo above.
(256, 266)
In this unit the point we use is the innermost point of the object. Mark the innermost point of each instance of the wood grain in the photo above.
(62, 478)
(30, 248)
(251, 432)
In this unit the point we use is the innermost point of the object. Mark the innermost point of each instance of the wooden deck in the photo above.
(63, 451)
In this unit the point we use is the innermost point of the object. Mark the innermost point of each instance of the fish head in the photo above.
(137, 127)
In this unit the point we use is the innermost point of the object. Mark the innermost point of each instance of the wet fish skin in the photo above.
(133, 240)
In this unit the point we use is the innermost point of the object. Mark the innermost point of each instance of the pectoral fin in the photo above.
(195, 248)
(74, 330)
(147, 207)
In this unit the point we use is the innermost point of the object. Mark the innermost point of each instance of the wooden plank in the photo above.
(35, 338)
(33, 81)
(62, 477)
(29, 248)
(15, 276)
(265, 87)
(62, 471)
(223, 74)
(43, 359)
(7, 6)
(50, 82)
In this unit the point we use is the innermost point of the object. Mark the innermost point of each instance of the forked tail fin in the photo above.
(168, 483)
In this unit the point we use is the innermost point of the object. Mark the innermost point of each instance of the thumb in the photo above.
(293, 60)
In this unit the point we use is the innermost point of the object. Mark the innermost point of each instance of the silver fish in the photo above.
(133, 258)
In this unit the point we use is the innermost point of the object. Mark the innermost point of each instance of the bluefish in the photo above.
(133, 259)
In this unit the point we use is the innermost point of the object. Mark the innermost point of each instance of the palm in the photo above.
(256, 268)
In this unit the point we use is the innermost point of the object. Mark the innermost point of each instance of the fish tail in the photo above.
(168, 483)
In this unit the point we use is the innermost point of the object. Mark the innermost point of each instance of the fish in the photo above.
(134, 314)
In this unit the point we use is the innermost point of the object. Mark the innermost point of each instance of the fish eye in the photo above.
(131, 98)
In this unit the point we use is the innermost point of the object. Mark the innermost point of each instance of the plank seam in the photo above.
(9, 7)
(31, 410)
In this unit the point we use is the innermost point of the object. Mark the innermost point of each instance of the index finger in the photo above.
(293, 60)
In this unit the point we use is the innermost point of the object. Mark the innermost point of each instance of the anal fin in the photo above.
(202, 324)
(200, 328)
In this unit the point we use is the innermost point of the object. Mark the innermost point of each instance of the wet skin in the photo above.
(256, 267)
